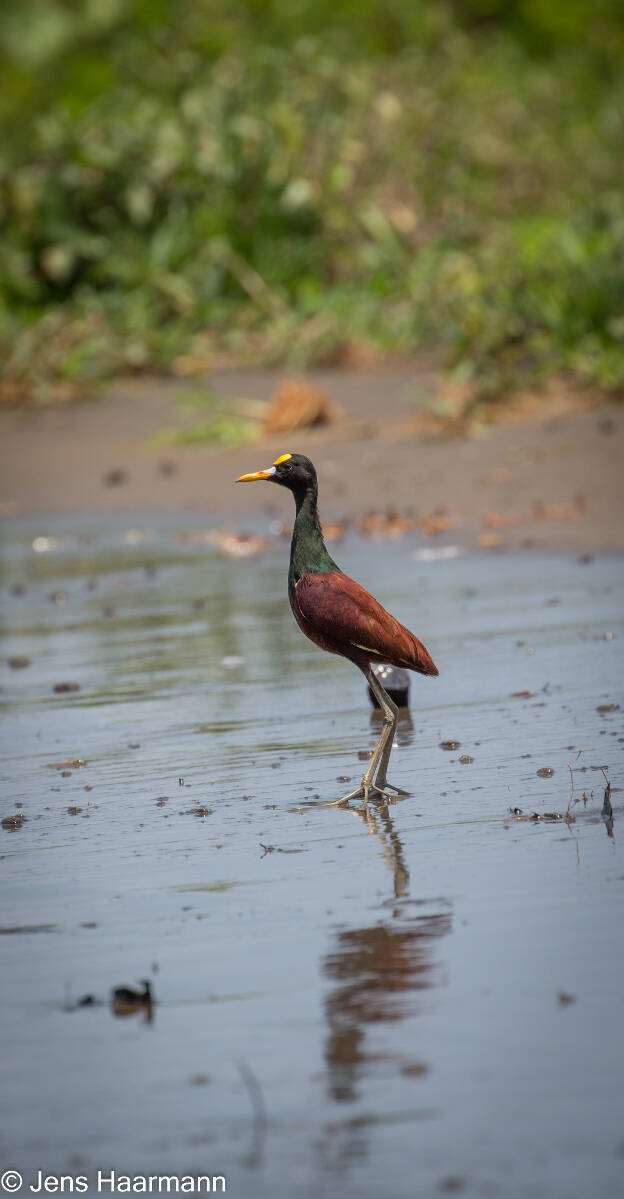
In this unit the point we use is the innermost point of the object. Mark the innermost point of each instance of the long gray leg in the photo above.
(381, 753)
(391, 713)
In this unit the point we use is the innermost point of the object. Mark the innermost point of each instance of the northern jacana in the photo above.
(339, 615)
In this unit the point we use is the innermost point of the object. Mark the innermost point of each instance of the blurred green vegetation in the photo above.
(183, 181)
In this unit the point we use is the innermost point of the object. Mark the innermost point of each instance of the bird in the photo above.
(340, 616)
(126, 1000)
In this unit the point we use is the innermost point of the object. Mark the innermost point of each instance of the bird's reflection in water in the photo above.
(375, 975)
(378, 821)
(404, 732)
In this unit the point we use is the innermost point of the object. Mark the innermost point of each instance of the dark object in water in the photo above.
(126, 1000)
(339, 615)
(395, 682)
(86, 1001)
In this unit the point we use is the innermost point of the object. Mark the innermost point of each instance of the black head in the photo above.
(293, 471)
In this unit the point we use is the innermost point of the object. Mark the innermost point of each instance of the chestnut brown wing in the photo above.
(343, 613)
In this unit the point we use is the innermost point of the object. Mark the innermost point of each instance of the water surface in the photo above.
(417, 998)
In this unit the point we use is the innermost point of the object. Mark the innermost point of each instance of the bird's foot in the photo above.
(368, 791)
(383, 786)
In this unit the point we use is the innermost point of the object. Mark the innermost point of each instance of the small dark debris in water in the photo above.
(415, 1069)
(520, 644)
(553, 601)
(73, 811)
(200, 1080)
(115, 477)
(545, 772)
(465, 759)
(181, 782)
(198, 604)
(134, 745)
(450, 745)
(585, 559)
(87, 787)
(522, 695)
(603, 708)
(17, 589)
(89, 924)
(62, 688)
(564, 998)
(91, 584)
(66, 774)
(270, 807)
(161, 801)
(516, 811)
(19, 663)
(108, 611)
(452, 1184)
(536, 816)
(343, 778)
(364, 755)
(275, 765)
(276, 849)
(553, 816)
(58, 597)
(86, 1001)
(12, 823)
(197, 812)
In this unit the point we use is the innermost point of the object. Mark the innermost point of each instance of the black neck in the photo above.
(308, 554)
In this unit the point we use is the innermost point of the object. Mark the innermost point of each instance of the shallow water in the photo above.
(421, 998)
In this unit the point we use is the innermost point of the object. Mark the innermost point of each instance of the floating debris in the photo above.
(450, 745)
(522, 695)
(545, 772)
(18, 663)
(564, 998)
(71, 763)
(12, 823)
(604, 708)
(62, 688)
(466, 759)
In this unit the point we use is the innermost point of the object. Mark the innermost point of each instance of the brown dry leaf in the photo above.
(299, 405)
(239, 545)
(435, 523)
(74, 763)
(559, 511)
(387, 526)
(495, 520)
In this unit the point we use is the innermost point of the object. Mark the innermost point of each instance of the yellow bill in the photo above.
(263, 474)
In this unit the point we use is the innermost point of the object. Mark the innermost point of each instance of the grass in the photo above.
(189, 184)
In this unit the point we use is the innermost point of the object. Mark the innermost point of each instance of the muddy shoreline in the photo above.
(553, 484)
